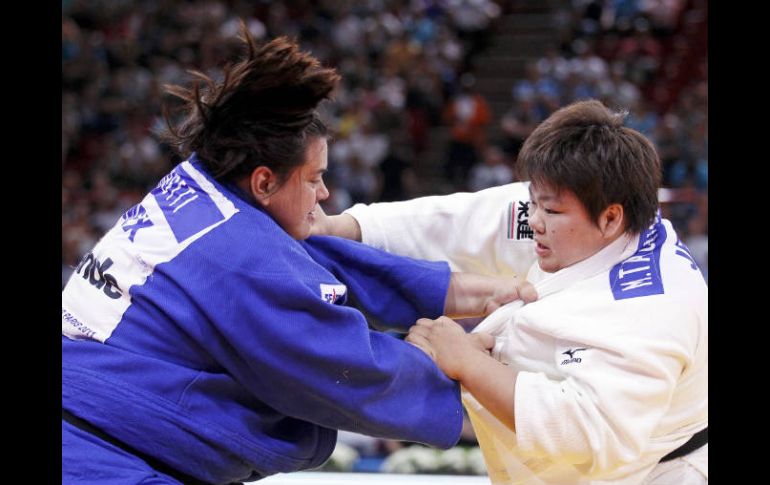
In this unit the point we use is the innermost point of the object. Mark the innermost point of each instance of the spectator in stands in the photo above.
(517, 123)
(397, 175)
(472, 19)
(467, 114)
(641, 117)
(492, 172)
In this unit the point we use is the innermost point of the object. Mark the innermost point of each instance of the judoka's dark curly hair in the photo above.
(262, 113)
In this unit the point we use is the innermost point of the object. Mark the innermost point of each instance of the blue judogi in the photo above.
(198, 332)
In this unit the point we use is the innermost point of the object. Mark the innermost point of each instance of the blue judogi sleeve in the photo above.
(318, 361)
(394, 289)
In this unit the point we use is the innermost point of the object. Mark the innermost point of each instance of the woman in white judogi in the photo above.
(607, 373)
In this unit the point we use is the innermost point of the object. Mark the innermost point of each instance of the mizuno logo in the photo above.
(572, 359)
(571, 352)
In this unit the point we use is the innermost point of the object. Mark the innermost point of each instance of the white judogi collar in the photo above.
(616, 251)
(550, 283)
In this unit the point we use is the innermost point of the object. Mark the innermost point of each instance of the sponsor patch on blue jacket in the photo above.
(639, 275)
(333, 293)
(134, 219)
(186, 206)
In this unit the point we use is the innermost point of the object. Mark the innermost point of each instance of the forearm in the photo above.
(471, 295)
(345, 226)
(394, 290)
(492, 383)
(342, 225)
(465, 358)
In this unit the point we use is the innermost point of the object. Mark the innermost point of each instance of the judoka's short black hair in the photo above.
(585, 148)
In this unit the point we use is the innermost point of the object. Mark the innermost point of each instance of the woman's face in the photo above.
(293, 204)
(564, 231)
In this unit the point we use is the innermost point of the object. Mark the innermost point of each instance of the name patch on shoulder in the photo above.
(185, 205)
(333, 293)
(639, 275)
(517, 227)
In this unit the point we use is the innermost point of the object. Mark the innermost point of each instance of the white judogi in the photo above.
(612, 359)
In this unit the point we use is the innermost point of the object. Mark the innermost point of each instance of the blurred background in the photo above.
(437, 96)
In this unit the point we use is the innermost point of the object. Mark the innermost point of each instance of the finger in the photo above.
(486, 340)
(476, 342)
(422, 344)
(479, 342)
(424, 322)
(527, 292)
(492, 305)
(419, 331)
(442, 320)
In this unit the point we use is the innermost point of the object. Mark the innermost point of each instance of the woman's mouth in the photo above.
(541, 249)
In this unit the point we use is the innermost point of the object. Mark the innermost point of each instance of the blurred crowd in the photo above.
(646, 57)
(408, 70)
(399, 61)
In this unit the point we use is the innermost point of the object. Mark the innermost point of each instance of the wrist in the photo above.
(469, 364)
(345, 226)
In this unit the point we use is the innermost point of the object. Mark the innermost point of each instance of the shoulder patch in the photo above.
(187, 207)
(639, 275)
(333, 293)
(517, 227)
(181, 209)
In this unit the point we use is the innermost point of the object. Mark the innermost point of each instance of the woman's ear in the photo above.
(262, 183)
(612, 221)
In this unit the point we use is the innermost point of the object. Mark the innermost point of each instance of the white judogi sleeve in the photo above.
(484, 232)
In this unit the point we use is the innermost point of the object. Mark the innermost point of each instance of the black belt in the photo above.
(698, 439)
(153, 462)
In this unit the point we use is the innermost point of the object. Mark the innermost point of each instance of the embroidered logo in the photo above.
(134, 219)
(333, 293)
(572, 359)
(518, 221)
